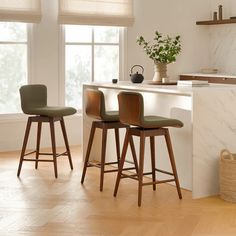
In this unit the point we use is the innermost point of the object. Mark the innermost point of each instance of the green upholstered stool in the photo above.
(131, 112)
(104, 120)
(34, 102)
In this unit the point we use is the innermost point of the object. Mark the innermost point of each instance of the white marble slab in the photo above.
(214, 128)
(223, 48)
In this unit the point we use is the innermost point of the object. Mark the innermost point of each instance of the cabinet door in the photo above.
(218, 80)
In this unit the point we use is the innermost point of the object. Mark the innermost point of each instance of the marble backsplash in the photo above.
(223, 39)
(223, 48)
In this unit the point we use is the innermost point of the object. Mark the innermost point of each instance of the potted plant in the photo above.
(162, 51)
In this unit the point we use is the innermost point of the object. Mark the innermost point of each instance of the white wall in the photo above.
(223, 39)
(167, 16)
(173, 18)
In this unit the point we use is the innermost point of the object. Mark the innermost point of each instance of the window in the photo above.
(13, 65)
(92, 53)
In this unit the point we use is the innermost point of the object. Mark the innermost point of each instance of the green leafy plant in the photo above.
(163, 49)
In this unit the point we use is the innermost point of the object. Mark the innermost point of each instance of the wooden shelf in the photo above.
(216, 22)
(210, 79)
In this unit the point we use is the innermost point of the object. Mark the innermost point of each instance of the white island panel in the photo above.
(214, 128)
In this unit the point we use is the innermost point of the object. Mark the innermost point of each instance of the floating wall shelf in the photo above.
(216, 22)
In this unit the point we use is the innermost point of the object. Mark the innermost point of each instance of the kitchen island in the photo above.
(209, 117)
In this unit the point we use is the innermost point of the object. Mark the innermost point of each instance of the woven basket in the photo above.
(228, 176)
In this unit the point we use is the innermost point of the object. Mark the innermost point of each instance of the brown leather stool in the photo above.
(95, 108)
(131, 111)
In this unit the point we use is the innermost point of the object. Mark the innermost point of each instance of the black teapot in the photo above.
(136, 78)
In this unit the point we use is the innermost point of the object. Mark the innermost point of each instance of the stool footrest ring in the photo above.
(164, 172)
(159, 182)
(135, 177)
(40, 160)
(46, 154)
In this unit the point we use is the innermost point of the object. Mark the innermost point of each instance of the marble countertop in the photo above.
(172, 89)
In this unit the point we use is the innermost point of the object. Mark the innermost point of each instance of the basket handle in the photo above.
(227, 152)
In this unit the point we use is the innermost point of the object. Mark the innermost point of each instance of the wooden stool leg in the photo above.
(90, 142)
(152, 146)
(27, 131)
(52, 129)
(141, 163)
(38, 143)
(63, 128)
(134, 154)
(117, 137)
(122, 160)
(103, 156)
(172, 161)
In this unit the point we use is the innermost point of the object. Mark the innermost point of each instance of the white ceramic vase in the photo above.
(160, 72)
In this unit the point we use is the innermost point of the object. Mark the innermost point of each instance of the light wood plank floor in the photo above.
(38, 204)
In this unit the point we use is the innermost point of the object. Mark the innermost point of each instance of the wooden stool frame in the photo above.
(51, 121)
(105, 126)
(151, 133)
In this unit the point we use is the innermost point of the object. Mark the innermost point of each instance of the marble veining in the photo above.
(223, 48)
(214, 128)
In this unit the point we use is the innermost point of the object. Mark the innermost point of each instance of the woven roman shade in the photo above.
(96, 12)
(28, 11)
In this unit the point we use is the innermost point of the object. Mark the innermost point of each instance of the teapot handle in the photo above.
(131, 71)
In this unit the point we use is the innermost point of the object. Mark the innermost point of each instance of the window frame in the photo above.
(122, 58)
(13, 117)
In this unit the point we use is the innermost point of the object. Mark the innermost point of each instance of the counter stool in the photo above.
(95, 108)
(131, 112)
(34, 102)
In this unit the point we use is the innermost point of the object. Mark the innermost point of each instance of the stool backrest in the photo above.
(95, 103)
(131, 108)
(33, 96)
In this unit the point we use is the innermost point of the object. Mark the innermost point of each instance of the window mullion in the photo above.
(11, 42)
(29, 54)
(122, 53)
(62, 72)
(93, 72)
(89, 44)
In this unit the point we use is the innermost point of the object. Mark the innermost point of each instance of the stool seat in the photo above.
(51, 111)
(111, 116)
(159, 122)
(34, 102)
(131, 112)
